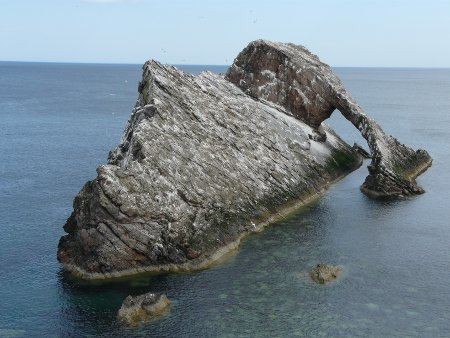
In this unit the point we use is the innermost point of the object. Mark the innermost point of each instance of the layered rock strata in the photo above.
(200, 165)
(291, 76)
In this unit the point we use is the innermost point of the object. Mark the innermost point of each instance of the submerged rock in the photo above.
(292, 77)
(324, 273)
(135, 310)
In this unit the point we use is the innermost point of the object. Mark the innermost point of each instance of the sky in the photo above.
(358, 33)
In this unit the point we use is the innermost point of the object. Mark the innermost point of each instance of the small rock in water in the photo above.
(324, 273)
(135, 310)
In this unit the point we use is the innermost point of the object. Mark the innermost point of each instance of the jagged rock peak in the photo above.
(288, 75)
(291, 76)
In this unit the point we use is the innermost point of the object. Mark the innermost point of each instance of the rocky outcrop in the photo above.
(289, 75)
(200, 165)
(206, 160)
(142, 308)
(324, 273)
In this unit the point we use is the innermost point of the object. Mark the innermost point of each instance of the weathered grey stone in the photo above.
(324, 273)
(200, 165)
(363, 152)
(292, 77)
(142, 308)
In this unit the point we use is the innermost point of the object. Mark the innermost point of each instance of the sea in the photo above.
(58, 123)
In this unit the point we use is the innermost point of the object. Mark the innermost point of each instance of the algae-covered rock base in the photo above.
(206, 160)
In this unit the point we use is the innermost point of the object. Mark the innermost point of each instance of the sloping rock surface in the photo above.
(296, 79)
(200, 164)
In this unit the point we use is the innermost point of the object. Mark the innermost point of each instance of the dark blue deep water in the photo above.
(57, 124)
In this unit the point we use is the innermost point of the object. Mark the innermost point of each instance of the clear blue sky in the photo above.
(408, 33)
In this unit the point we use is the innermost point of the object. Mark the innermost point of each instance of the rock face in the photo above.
(135, 310)
(324, 273)
(200, 165)
(289, 75)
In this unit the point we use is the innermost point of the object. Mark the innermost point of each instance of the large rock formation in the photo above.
(289, 75)
(200, 164)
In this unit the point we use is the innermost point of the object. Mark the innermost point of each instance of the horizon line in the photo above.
(200, 64)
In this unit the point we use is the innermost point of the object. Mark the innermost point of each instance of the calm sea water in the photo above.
(57, 124)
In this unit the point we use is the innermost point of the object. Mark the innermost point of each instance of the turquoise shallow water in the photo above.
(57, 124)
